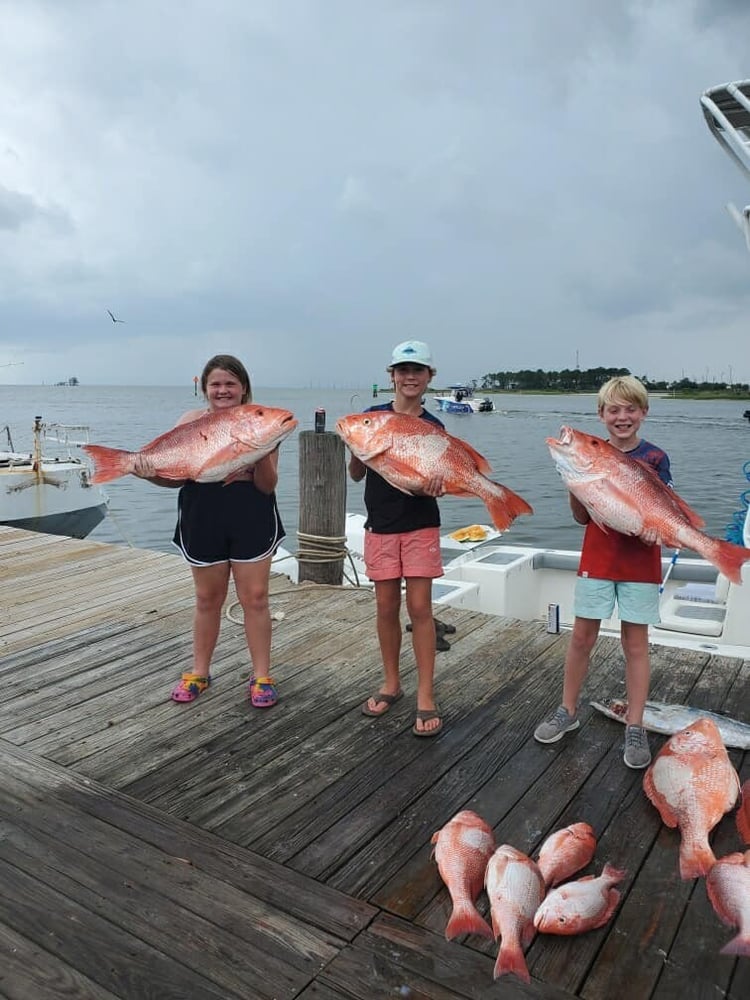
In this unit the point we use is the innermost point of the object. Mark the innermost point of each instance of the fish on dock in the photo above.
(515, 888)
(408, 452)
(211, 449)
(462, 849)
(692, 784)
(728, 888)
(580, 906)
(566, 852)
(624, 494)
(670, 719)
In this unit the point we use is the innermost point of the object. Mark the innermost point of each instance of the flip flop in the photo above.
(425, 715)
(441, 628)
(389, 699)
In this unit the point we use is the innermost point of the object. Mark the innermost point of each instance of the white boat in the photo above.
(700, 610)
(49, 488)
(461, 399)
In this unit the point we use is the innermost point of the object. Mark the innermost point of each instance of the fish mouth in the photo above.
(564, 440)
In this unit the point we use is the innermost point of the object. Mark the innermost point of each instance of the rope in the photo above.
(322, 549)
(319, 549)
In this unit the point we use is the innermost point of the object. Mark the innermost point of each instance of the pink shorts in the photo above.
(410, 553)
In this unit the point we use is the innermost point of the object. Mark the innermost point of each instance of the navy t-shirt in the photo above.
(389, 511)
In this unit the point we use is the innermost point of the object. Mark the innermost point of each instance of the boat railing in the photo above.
(726, 109)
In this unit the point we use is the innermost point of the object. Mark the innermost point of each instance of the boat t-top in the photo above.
(460, 398)
(727, 112)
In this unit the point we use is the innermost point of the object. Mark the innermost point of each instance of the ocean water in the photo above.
(708, 443)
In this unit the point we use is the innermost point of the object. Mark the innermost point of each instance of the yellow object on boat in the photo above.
(474, 533)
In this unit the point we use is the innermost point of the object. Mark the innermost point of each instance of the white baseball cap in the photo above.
(414, 352)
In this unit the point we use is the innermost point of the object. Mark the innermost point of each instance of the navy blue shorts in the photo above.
(232, 523)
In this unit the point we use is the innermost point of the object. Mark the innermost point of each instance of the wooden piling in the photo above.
(322, 507)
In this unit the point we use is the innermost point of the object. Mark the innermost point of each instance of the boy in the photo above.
(615, 567)
(402, 541)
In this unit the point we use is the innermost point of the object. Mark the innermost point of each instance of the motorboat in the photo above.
(49, 488)
(461, 399)
(700, 609)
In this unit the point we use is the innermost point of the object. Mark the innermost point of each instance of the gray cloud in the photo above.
(512, 182)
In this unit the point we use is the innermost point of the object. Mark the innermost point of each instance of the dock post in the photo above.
(322, 507)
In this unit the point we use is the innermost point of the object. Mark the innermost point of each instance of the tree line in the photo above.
(590, 379)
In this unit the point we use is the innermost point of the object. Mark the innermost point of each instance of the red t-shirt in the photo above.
(610, 555)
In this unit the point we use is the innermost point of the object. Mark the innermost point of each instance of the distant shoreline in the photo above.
(659, 393)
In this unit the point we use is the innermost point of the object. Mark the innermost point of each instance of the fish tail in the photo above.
(739, 945)
(466, 919)
(510, 958)
(696, 859)
(109, 463)
(728, 558)
(505, 507)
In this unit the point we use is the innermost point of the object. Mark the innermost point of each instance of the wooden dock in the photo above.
(212, 850)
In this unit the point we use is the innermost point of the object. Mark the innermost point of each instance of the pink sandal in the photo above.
(189, 687)
(262, 692)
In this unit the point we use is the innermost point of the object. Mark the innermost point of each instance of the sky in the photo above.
(306, 183)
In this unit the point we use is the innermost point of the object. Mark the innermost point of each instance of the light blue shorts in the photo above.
(637, 602)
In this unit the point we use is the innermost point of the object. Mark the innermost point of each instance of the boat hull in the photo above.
(60, 501)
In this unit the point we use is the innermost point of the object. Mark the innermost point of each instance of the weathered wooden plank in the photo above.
(296, 895)
(394, 958)
(28, 971)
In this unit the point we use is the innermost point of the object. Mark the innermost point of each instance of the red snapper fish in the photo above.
(625, 494)
(566, 852)
(515, 888)
(692, 784)
(212, 449)
(408, 451)
(728, 887)
(580, 906)
(462, 849)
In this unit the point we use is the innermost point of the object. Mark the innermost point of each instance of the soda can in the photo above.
(320, 420)
(553, 618)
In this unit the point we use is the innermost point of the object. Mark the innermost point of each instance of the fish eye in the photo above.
(366, 421)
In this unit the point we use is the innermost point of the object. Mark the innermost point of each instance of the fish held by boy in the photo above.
(214, 448)
(670, 719)
(408, 452)
(462, 849)
(623, 493)
(580, 906)
(728, 888)
(692, 784)
(515, 888)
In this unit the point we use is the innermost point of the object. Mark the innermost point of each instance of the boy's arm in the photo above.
(580, 514)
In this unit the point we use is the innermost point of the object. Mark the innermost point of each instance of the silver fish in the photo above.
(670, 719)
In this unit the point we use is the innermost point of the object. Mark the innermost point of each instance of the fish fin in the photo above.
(743, 814)
(466, 919)
(668, 818)
(696, 859)
(479, 460)
(109, 463)
(728, 558)
(506, 508)
(511, 959)
(739, 945)
(613, 899)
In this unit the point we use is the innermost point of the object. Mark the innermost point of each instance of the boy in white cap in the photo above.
(402, 542)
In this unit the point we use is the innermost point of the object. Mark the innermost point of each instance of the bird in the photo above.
(114, 318)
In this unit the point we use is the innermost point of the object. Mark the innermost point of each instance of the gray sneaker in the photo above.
(556, 726)
(637, 753)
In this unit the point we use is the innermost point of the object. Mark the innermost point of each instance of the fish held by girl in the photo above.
(408, 452)
(212, 449)
(622, 493)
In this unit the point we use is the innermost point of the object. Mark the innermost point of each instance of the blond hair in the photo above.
(623, 387)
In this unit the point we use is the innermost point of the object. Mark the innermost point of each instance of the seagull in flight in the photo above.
(114, 318)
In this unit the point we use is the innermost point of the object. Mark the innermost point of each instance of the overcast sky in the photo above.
(521, 183)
